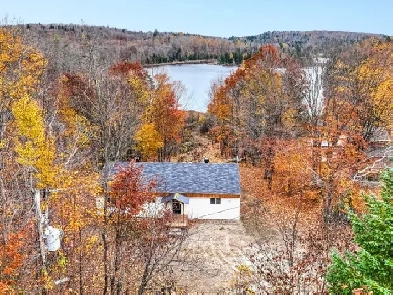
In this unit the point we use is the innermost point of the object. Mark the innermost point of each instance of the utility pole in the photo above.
(49, 237)
(40, 226)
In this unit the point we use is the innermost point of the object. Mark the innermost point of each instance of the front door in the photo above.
(176, 207)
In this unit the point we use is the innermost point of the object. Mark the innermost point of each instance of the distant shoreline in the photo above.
(185, 62)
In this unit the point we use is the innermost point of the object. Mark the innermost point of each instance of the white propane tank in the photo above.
(53, 236)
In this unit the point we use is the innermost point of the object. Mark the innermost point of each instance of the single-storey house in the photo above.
(195, 190)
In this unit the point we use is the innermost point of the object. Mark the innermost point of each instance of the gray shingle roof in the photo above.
(203, 178)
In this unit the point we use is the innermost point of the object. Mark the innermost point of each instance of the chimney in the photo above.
(206, 160)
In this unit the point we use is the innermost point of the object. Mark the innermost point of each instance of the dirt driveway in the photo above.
(211, 255)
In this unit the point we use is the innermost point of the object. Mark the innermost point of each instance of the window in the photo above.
(215, 200)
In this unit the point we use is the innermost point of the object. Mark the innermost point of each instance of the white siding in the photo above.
(201, 208)
(198, 208)
(152, 209)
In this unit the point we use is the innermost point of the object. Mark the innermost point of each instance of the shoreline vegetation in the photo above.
(191, 62)
(187, 62)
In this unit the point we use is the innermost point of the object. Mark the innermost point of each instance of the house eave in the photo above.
(200, 195)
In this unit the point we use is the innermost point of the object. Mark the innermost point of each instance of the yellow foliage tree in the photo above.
(21, 67)
(360, 88)
(163, 118)
(34, 148)
(149, 141)
(28, 150)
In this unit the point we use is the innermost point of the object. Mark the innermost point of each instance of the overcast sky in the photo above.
(222, 18)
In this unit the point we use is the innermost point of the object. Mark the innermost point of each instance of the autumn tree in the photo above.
(35, 168)
(128, 194)
(294, 176)
(159, 247)
(291, 252)
(142, 248)
(60, 134)
(263, 98)
(163, 119)
(359, 88)
(149, 141)
(28, 151)
(351, 117)
(61, 152)
(12, 259)
(110, 104)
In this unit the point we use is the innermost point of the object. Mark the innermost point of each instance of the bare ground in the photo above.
(212, 254)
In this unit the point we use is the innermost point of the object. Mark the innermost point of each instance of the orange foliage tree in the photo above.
(262, 99)
(11, 259)
(359, 88)
(129, 233)
(164, 113)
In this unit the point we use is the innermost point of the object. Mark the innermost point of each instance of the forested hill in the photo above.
(162, 47)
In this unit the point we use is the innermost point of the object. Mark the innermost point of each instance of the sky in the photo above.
(223, 18)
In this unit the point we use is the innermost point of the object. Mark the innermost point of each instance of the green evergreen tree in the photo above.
(372, 266)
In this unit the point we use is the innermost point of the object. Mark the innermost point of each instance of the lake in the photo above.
(197, 79)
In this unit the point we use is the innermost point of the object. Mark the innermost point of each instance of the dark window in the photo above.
(215, 200)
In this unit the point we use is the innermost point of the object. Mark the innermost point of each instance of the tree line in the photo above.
(165, 47)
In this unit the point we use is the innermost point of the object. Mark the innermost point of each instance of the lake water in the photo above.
(197, 79)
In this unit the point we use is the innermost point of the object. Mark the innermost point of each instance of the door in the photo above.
(176, 207)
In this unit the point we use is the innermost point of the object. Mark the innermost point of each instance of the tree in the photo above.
(164, 113)
(291, 252)
(128, 194)
(292, 167)
(359, 88)
(141, 247)
(149, 141)
(62, 126)
(28, 155)
(371, 266)
(11, 259)
(263, 99)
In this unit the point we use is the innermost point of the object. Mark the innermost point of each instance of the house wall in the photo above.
(202, 209)
(198, 208)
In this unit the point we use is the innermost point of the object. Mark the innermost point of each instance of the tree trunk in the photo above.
(144, 279)
(115, 281)
(106, 274)
(80, 264)
(143, 284)
(106, 246)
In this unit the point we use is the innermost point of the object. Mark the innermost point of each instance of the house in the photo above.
(195, 190)
(378, 159)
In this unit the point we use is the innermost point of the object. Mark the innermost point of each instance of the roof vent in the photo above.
(206, 160)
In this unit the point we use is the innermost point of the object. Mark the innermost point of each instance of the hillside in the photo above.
(163, 47)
